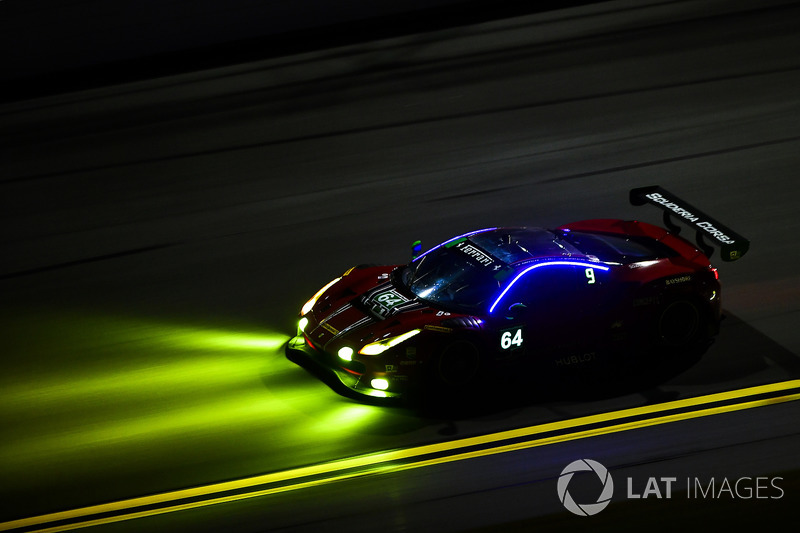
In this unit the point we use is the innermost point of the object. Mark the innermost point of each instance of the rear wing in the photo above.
(732, 245)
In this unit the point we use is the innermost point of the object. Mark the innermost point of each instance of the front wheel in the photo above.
(456, 368)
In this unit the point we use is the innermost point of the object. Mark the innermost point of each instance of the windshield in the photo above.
(452, 277)
(460, 273)
(466, 273)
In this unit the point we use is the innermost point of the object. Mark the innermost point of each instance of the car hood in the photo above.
(364, 306)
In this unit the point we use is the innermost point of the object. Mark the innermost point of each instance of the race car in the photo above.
(516, 301)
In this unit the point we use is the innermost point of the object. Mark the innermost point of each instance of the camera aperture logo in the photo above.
(664, 487)
(585, 509)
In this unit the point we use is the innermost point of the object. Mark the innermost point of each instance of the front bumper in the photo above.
(354, 380)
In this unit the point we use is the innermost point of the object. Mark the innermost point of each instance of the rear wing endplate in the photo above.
(732, 245)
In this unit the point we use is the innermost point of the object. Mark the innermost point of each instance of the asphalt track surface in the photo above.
(158, 239)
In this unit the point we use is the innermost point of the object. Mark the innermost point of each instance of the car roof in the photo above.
(518, 244)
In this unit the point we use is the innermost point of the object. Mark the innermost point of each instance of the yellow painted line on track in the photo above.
(376, 460)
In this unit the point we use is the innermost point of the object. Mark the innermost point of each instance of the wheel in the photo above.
(679, 324)
(451, 379)
(456, 368)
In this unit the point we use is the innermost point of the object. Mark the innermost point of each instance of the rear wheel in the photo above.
(682, 333)
(679, 324)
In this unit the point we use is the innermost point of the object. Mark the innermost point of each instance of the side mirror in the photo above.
(515, 310)
(416, 248)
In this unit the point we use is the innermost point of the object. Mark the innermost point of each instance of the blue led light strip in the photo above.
(451, 240)
(548, 263)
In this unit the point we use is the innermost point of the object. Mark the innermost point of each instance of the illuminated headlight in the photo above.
(309, 304)
(346, 353)
(375, 348)
(379, 383)
(302, 324)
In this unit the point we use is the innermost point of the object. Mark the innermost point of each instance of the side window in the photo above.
(541, 301)
(547, 290)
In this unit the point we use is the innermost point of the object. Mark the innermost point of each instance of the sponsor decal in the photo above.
(330, 328)
(706, 226)
(575, 359)
(477, 254)
(647, 300)
(680, 279)
(391, 368)
(672, 206)
(714, 232)
(440, 329)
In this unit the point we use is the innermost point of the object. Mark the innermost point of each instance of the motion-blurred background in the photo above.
(177, 178)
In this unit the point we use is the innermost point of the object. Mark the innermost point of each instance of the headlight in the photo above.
(375, 348)
(309, 304)
(346, 353)
(379, 383)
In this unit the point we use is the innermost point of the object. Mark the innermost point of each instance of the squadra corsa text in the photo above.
(691, 217)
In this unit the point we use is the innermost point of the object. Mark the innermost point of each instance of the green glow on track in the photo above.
(80, 389)
(100, 400)
(197, 357)
(343, 418)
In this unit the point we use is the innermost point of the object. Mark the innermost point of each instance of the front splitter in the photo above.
(351, 380)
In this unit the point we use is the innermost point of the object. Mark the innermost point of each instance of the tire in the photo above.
(680, 324)
(457, 367)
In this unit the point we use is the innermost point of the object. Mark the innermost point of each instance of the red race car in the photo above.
(519, 301)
